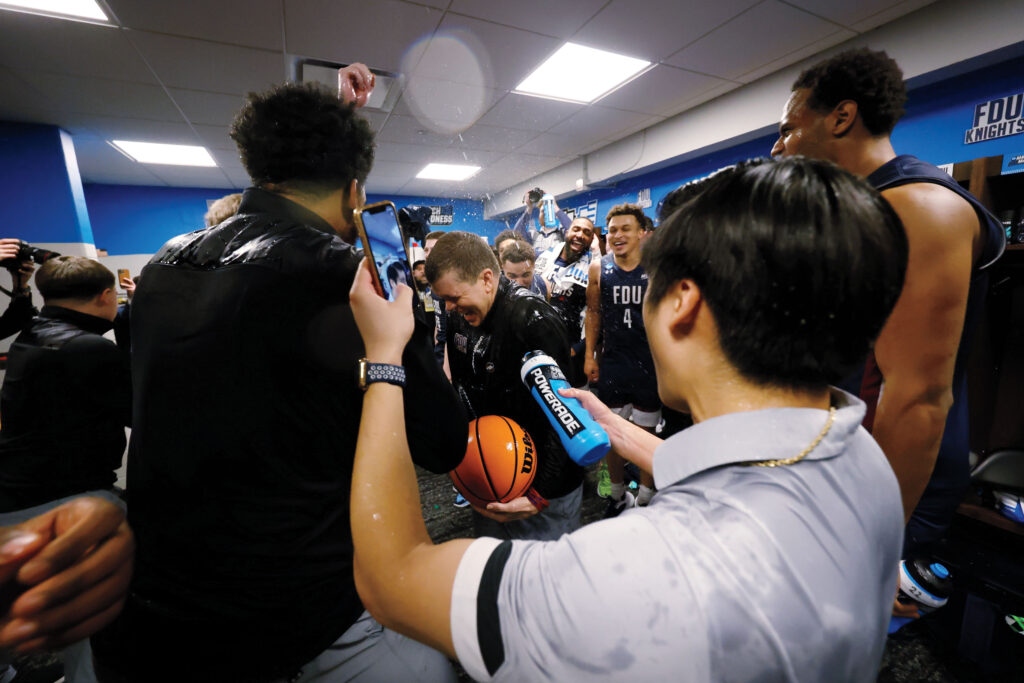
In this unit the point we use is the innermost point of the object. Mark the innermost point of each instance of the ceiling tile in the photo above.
(98, 162)
(227, 160)
(377, 33)
(408, 130)
(19, 99)
(201, 65)
(424, 154)
(850, 14)
(493, 138)
(45, 44)
(216, 137)
(890, 14)
(445, 106)
(207, 108)
(840, 36)
(529, 113)
(506, 55)
(437, 188)
(115, 128)
(560, 19)
(663, 90)
(101, 97)
(743, 44)
(216, 21)
(190, 176)
(598, 123)
(668, 25)
(549, 144)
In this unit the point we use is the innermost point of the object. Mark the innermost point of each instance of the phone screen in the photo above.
(385, 246)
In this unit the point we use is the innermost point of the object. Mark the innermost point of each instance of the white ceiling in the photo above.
(178, 71)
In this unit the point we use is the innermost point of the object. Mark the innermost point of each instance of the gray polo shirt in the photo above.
(732, 573)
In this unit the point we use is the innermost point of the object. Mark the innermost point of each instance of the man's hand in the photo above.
(128, 285)
(386, 326)
(906, 610)
(591, 369)
(23, 275)
(77, 561)
(517, 508)
(9, 247)
(355, 84)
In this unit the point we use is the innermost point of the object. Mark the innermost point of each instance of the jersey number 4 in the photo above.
(627, 318)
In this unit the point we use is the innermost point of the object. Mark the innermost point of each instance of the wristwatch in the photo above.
(380, 372)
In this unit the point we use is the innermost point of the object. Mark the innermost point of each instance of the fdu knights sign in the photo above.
(994, 119)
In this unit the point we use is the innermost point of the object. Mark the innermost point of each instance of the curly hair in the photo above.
(633, 210)
(302, 137)
(871, 79)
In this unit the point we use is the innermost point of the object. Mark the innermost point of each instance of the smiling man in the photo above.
(491, 325)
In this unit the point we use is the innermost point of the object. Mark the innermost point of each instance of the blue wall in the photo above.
(932, 129)
(130, 219)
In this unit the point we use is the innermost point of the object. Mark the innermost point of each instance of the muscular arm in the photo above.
(521, 225)
(916, 350)
(593, 321)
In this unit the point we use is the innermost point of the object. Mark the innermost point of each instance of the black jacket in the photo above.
(244, 353)
(65, 402)
(485, 363)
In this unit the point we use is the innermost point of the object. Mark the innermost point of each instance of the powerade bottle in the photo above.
(547, 203)
(925, 583)
(584, 440)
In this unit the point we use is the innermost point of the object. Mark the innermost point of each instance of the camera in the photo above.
(415, 220)
(26, 252)
(536, 194)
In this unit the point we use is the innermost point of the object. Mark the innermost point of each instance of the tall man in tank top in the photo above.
(621, 366)
(844, 109)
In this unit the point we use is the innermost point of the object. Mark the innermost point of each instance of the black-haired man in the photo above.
(245, 361)
(844, 110)
(769, 552)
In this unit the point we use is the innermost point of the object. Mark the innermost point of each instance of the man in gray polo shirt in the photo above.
(768, 552)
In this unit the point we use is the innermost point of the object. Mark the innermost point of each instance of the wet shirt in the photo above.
(622, 317)
(732, 573)
(567, 284)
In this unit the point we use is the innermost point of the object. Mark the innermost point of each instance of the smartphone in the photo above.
(122, 274)
(385, 246)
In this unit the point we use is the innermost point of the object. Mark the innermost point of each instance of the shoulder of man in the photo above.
(933, 207)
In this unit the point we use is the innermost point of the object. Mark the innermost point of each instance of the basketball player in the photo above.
(492, 324)
(844, 109)
(621, 367)
(769, 552)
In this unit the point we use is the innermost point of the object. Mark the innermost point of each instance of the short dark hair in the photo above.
(303, 138)
(518, 252)
(799, 262)
(435, 235)
(871, 79)
(73, 277)
(627, 209)
(679, 196)
(506, 235)
(463, 253)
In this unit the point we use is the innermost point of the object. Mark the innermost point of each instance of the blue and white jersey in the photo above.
(567, 284)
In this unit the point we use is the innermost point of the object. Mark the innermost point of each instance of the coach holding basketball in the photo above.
(768, 552)
(492, 324)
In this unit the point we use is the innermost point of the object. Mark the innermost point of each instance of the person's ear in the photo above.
(684, 300)
(489, 280)
(842, 118)
(354, 196)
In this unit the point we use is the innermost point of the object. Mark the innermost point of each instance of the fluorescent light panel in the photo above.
(88, 9)
(447, 172)
(159, 153)
(580, 74)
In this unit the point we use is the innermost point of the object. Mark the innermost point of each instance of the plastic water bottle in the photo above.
(547, 203)
(584, 440)
(925, 583)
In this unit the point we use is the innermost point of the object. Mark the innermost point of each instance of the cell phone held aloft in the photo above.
(385, 246)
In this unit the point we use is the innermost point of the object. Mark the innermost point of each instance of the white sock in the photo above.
(618, 491)
(644, 495)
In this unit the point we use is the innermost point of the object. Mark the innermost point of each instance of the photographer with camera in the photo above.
(535, 225)
(20, 311)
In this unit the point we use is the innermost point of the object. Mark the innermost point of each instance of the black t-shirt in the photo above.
(247, 410)
(485, 362)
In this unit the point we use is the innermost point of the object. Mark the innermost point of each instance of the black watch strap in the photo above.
(381, 372)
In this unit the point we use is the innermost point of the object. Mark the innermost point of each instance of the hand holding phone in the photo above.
(385, 247)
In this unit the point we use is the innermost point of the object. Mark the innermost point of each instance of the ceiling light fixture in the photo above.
(577, 73)
(62, 9)
(447, 172)
(159, 153)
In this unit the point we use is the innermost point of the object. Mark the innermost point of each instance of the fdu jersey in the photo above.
(567, 283)
(627, 369)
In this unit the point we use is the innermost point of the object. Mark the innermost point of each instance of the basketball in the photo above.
(499, 464)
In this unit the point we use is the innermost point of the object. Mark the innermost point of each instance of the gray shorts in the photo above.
(562, 516)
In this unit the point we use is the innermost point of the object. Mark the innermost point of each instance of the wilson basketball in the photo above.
(499, 464)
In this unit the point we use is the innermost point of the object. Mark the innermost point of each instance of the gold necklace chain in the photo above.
(802, 454)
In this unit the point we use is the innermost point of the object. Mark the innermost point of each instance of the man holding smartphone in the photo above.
(245, 360)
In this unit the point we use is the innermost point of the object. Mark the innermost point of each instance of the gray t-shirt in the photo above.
(732, 573)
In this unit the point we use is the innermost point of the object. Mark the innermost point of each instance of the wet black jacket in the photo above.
(485, 363)
(65, 402)
(244, 354)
